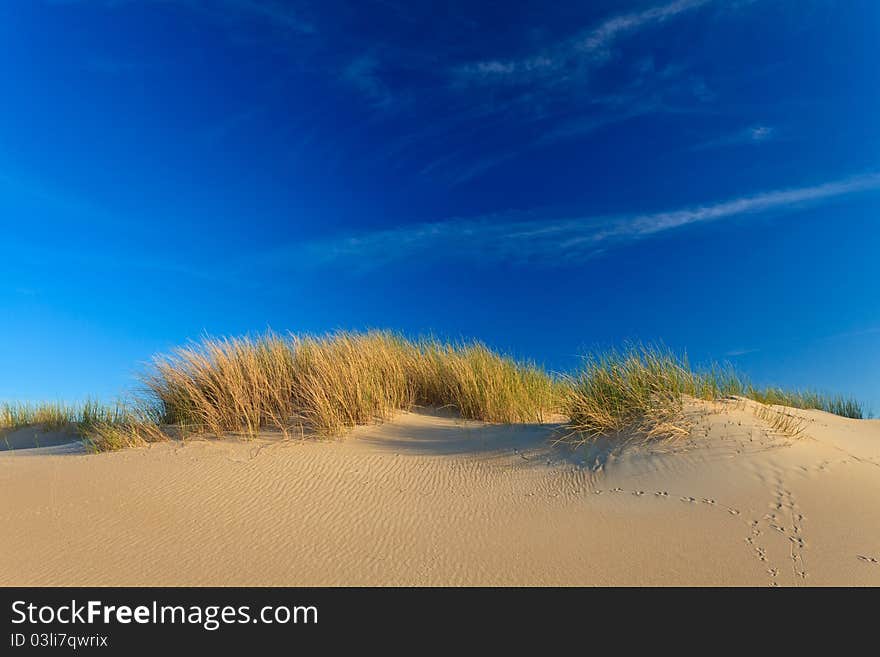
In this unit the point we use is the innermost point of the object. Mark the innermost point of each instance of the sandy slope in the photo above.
(435, 500)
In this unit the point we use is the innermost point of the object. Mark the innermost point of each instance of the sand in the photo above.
(433, 500)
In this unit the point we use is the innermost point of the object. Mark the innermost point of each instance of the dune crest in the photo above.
(431, 499)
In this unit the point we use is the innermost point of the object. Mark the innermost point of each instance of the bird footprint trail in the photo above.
(734, 513)
(785, 520)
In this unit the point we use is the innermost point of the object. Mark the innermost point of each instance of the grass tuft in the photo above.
(641, 389)
(836, 404)
(332, 383)
(56, 415)
(101, 427)
(637, 390)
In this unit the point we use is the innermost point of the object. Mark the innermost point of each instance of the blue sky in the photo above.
(547, 178)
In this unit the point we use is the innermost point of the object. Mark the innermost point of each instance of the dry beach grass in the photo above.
(331, 384)
(327, 385)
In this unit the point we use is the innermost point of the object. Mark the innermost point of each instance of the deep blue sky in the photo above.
(546, 177)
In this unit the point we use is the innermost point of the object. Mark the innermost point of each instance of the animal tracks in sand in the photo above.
(787, 509)
(704, 500)
(784, 520)
(665, 494)
(797, 511)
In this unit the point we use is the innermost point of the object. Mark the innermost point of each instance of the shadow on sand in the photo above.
(441, 432)
(26, 439)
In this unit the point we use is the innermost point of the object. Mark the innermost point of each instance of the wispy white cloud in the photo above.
(669, 90)
(591, 46)
(484, 110)
(527, 238)
(760, 133)
(654, 223)
(551, 95)
(736, 353)
(751, 135)
(602, 37)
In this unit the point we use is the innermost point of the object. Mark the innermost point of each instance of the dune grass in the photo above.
(55, 415)
(48, 415)
(641, 389)
(121, 426)
(329, 384)
(836, 404)
(781, 420)
(637, 390)
(102, 427)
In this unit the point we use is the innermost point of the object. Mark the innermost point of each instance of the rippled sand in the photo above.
(434, 500)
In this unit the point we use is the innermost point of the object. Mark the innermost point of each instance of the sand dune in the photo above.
(433, 500)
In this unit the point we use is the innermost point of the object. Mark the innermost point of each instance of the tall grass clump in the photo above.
(55, 415)
(48, 415)
(836, 404)
(332, 383)
(481, 384)
(349, 379)
(223, 385)
(121, 426)
(641, 389)
(102, 427)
